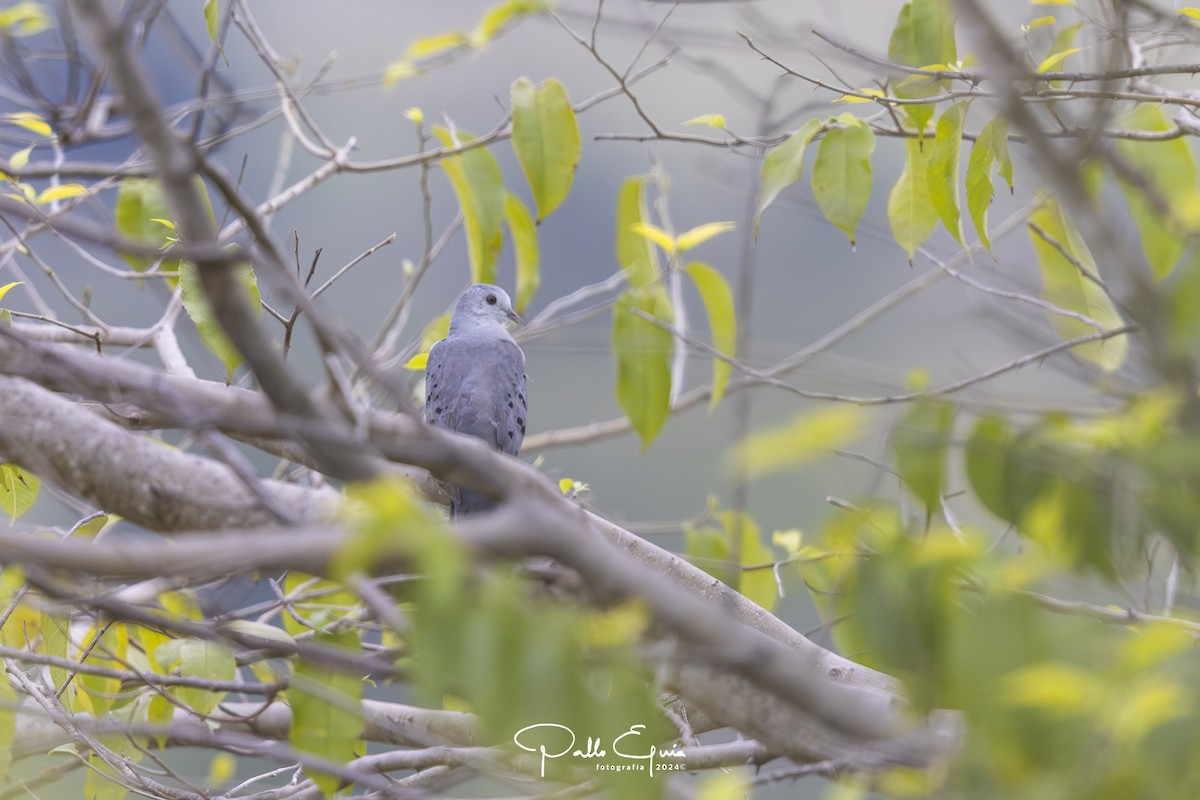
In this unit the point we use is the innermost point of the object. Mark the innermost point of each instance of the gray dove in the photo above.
(475, 381)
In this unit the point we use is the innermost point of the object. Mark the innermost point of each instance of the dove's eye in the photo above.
(491, 299)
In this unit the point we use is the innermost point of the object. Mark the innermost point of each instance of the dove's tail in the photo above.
(468, 501)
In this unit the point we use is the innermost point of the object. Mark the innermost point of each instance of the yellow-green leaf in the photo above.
(18, 490)
(525, 249)
(921, 443)
(810, 435)
(1052, 61)
(842, 173)
(21, 157)
(701, 234)
(545, 136)
(1052, 2)
(1065, 286)
(434, 45)
(417, 362)
(63, 191)
(859, 98)
(479, 187)
(399, 70)
(718, 305)
(1039, 22)
(634, 252)
(24, 19)
(783, 165)
(988, 148)
(643, 354)
(924, 34)
(943, 168)
(196, 304)
(1056, 688)
(8, 727)
(1190, 11)
(655, 234)
(910, 211)
(212, 16)
(711, 120)
(1168, 170)
(6, 287)
(140, 201)
(500, 15)
(327, 716)
(30, 122)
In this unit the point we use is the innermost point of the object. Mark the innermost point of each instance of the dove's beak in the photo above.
(515, 317)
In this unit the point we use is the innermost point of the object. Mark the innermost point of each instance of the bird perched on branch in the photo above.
(475, 381)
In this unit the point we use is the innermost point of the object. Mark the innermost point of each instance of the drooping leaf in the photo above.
(809, 436)
(842, 173)
(783, 165)
(910, 211)
(30, 122)
(943, 168)
(657, 235)
(920, 443)
(643, 354)
(634, 252)
(1065, 285)
(475, 177)
(718, 305)
(327, 716)
(1169, 172)
(525, 249)
(18, 490)
(992, 142)
(923, 36)
(545, 137)
(5, 288)
(212, 17)
(196, 304)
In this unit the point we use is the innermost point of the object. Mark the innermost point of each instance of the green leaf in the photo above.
(211, 661)
(54, 628)
(987, 465)
(643, 353)
(139, 202)
(195, 302)
(718, 305)
(6, 287)
(479, 187)
(18, 490)
(910, 211)
(545, 137)
(809, 436)
(782, 166)
(943, 168)
(992, 141)
(1168, 170)
(842, 173)
(327, 716)
(634, 252)
(920, 443)
(1065, 286)
(525, 249)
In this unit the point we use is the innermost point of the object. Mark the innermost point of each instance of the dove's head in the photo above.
(483, 303)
